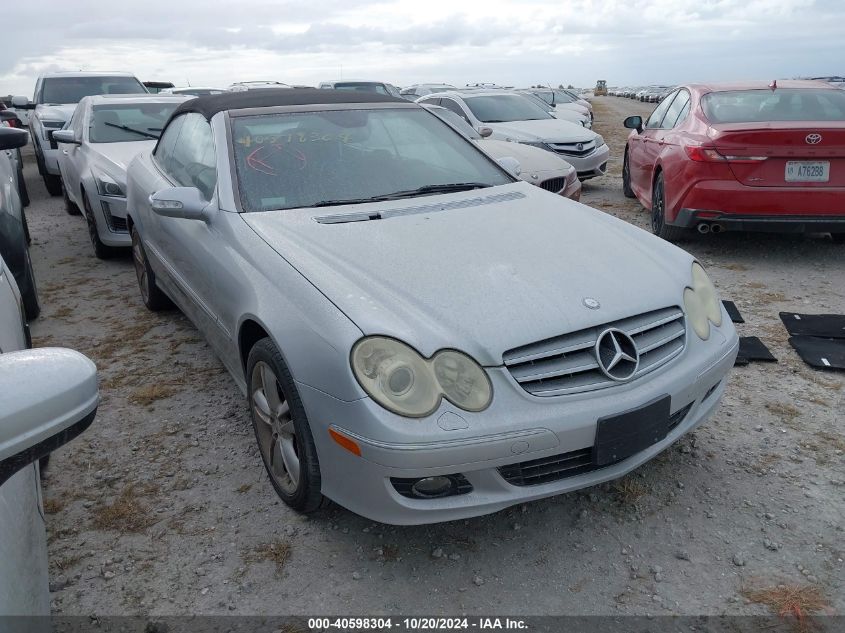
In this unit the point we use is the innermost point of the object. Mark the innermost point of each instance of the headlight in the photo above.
(701, 302)
(599, 140)
(397, 377)
(107, 186)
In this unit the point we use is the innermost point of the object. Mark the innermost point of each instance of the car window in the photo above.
(431, 101)
(75, 124)
(122, 123)
(451, 104)
(657, 116)
(293, 160)
(781, 104)
(72, 89)
(680, 104)
(456, 121)
(193, 162)
(504, 108)
(163, 152)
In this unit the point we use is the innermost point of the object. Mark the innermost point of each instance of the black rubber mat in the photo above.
(824, 353)
(823, 325)
(733, 311)
(752, 348)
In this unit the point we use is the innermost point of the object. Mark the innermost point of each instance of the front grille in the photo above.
(557, 467)
(568, 363)
(574, 149)
(554, 185)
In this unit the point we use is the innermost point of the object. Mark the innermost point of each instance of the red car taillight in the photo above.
(709, 155)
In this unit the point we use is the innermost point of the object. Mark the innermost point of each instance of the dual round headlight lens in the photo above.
(397, 377)
(702, 303)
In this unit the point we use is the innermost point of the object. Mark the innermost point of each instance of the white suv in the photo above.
(56, 96)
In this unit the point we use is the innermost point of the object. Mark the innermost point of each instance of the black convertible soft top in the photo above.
(210, 105)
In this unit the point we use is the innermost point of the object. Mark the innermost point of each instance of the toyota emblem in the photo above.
(617, 355)
(813, 139)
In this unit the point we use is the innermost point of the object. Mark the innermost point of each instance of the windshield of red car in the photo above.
(782, 104)
(305, 159)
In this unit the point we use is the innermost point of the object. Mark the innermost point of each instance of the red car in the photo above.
(743, 156)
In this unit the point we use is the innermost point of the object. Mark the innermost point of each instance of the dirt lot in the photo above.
(163, 507)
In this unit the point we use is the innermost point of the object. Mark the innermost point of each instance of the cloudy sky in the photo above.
(206, 42)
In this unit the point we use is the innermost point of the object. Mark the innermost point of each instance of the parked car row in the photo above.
(741, 156)
(646, 94)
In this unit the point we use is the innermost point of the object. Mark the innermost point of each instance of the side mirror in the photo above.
(65, 136)
(48, 396)
(634, 123)
(12, 138)
(510, 164)
(485, 131)
(179, 202)
(20, 102)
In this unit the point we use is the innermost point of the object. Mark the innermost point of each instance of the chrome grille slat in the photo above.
(567, 364)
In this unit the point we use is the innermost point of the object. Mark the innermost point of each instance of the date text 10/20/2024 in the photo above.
(416, 624)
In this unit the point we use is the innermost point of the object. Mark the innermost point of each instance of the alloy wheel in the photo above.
(274, 427)
(657, 211)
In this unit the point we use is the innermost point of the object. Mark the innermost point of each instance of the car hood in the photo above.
(531, 159)
(55, 112)
(546, 130)
(482, 271)
(115, 157)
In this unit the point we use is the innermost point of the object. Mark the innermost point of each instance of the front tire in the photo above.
(626, 177)
(101, 251)
(152, 296)
(282, 429)
(70, 206)
(53, 184)
(658, 214)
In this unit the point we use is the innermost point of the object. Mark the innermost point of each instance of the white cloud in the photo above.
(406, 41)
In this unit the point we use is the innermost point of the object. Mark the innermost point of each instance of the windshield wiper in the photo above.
(444, 188)
(126, 128)
(409, 193)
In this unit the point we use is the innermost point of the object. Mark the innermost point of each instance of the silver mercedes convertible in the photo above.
(421, 336)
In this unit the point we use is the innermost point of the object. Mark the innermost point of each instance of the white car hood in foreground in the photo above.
(547, 130)
(496, 269)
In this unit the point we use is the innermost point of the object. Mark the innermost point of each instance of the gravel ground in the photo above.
(163, 507)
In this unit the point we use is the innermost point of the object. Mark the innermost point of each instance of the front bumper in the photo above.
(517, 428)
(591, 165)
(782, 209)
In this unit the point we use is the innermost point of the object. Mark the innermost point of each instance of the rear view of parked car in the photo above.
(56, 96)
(744, 156)
(359, 265)
(104, 135)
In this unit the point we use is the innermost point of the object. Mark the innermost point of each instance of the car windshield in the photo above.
(363, 86)
(457, 122)
(293, 160)
(72, 89)
(121, 123)
(505, 108)
(781, 104)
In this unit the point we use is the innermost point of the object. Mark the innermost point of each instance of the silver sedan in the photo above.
(420, 336)
(103, 136)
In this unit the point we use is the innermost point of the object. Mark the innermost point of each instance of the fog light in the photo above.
(432, 487)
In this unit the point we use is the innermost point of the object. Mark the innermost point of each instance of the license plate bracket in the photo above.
(807, 171)
(622, 435)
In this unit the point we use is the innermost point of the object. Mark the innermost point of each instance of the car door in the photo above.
(190, 249)
(643, 149)
(71, 157)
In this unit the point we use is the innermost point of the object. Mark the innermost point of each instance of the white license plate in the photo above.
(807, 171)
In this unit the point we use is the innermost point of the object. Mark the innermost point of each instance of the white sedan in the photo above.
(105, 133)
(512, 117)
